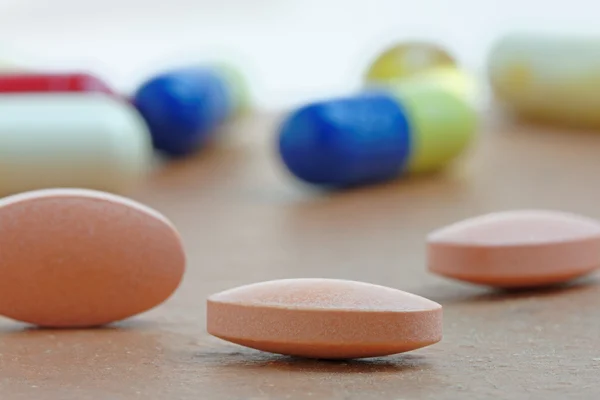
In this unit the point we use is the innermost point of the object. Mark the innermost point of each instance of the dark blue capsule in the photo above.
(346, 142)
(182, 108)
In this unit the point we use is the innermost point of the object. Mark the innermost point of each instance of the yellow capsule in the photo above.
(443, 123)
(449, 78)
(407, 59)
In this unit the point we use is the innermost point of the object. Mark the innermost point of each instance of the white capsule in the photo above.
(547, 77)
(71, 140)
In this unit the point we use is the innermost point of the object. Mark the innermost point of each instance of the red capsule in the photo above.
(74, 82)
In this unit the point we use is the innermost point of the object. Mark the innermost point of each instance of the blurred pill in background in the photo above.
(71, 140)
(406, 59)
(443, 123)
(421, 62)
(349, 141)
(184, 107)
(414, 126)
(237, 87)
(19, 82)
(6, 66)
(8, 63)
(452, 79)
(547, 77)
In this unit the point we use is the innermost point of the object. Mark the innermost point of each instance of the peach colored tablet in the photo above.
(81, 258)
(324, 318)
(516, 248)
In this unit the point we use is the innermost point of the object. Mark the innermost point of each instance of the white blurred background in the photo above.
(291, 50)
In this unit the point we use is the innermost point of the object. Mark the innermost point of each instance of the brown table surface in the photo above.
(243, 220)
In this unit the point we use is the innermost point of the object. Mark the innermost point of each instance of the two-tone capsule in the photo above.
(68, 130)
(71, 140)
(412, 126)
(184, 107)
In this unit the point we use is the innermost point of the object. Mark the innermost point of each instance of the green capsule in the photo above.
(238, 85)
(443, 121)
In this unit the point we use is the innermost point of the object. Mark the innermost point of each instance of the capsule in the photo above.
(412, 127)
(34, 82)
(7, 66)
(548, 78)
(407, 59)
(184, 107)
(443, 121)
(452, 79)
(71, 140)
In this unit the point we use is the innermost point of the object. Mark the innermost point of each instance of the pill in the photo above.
(347, 141)
(71, 140)
(239, 91)
(548, 78)
(324, 318)
(411, 127)
(408, 58)
(184, 107)
(35, 82)
(7, 66)
(455, 80)
(522, 248)
(443, 121)
(82, 258)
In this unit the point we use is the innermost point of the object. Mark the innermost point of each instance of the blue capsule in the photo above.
(347, 142)
(183, 107)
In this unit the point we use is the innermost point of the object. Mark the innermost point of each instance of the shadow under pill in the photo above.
(542, 126)
(524, 293)
(252, 360)
(455, 297)
(201, 167)
(394, 185)
(245, 373)
(514, 125)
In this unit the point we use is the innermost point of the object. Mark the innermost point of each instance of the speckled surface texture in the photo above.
(81, 258)
(520, 248)
(324, 318)
(243, 221)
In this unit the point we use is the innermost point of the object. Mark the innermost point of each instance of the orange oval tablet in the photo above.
(81, 258)
(324, 318)
(512, 249)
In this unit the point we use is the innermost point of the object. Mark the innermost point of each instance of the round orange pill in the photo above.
(82, 258)
(512, 249)
(324, 318)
